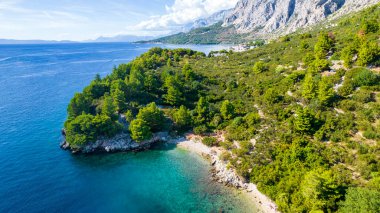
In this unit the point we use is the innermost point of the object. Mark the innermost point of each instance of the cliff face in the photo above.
(284, 16)
(206, 22)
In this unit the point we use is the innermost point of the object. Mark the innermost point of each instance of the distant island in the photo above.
(298, 116)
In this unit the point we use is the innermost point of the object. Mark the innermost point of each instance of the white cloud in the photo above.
(183, 12)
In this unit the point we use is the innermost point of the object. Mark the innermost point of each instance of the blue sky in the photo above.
(89, 19)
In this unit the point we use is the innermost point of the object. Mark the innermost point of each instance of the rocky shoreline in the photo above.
(119, 143)
(221, 173)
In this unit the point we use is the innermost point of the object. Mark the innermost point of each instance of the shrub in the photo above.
(260, 67)
(363, 96)
(210, 141)
(200, 129)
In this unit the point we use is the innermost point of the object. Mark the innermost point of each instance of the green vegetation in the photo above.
(307, 135)
(214, 34)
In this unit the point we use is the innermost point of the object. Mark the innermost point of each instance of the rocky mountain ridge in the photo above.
(286, 16)
(206, 22)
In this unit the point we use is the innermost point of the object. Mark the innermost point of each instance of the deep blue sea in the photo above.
(36, 84)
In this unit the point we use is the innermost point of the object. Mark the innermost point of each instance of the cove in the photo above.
(36, 84)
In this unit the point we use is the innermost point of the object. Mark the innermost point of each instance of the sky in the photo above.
(80, 20)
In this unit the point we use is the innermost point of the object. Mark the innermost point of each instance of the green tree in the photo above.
(182, 117)
(188, 72)
(108, 107)
(361, 200)
(309, 87)
(96, 89)
(136, 78)
(201, 110)
(80, 130)
(325, 92)
(169, 62)
(153, 116)
(140, 130)
(320, 190)
(227, 110)
(119, 100)
(323, 45)
(151, 83)
(347, 55)
(304, 120)
(173, 95)
(78, 105)
(369, 53)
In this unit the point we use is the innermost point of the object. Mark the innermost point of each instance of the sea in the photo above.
(36, 84)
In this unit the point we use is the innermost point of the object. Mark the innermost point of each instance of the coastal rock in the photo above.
(285, 16)
(223, 174)
(119, 143)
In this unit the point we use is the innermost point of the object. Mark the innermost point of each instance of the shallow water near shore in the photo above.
(36, 84)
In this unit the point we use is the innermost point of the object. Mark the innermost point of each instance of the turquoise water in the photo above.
(36, 84)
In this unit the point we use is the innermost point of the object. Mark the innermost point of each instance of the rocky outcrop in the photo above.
(205, 22)
(120, 143)
(285, 16)
(222, 173)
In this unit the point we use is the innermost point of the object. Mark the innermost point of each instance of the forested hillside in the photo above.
(214, 34)
(300, 116)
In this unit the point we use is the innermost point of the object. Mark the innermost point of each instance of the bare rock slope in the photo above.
(285, 16)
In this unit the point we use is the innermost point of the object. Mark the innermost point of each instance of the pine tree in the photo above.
(309, 87)
(173, 95)
(227, 110)
(140, 130)
(369, 52)
(201, 110)
(325, 92)
(182, 117)
(119, 100)
(108, 107)
(79, 104)
(323, 46)
(304, 120)
(153, 116)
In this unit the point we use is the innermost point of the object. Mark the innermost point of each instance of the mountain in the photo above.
(206, 22)
(286, 16)
(123, 38)
(252, 19)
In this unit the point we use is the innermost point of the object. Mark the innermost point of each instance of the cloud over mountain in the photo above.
(183, 12)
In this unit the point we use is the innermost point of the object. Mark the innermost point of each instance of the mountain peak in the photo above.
(285, 16)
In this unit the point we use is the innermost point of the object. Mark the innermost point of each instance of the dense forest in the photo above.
(300, 115)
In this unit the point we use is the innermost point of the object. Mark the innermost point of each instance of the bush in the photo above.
(260, 67)
(210, 141)
(199, 130)
(363, 96)
(365, 77)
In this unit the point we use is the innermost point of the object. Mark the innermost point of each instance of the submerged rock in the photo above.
(119, 143)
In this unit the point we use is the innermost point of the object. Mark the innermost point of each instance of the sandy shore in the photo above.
(225, 175)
